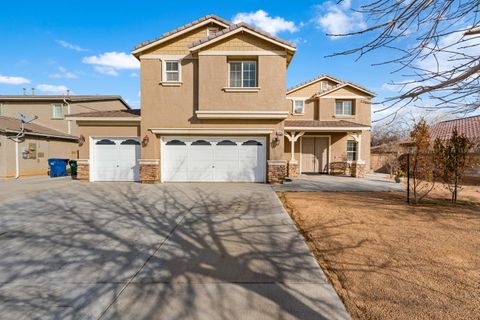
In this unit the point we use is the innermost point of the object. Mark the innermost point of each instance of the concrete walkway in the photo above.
(328, 183)
(171, 251)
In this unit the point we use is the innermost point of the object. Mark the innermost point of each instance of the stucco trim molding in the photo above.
(82, 161)
(242, 114)
(243, 53)
(150, 161)
(227, 131)
(347, 129)
(119, 119)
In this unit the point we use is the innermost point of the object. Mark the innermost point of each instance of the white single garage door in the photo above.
(232, 159)
(115, 159)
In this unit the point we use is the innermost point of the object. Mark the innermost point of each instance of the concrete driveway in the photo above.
(71, 250)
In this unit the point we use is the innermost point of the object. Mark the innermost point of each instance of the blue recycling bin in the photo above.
(58, 167)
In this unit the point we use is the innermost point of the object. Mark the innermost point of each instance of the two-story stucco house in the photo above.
(50, 135)
(214, 107)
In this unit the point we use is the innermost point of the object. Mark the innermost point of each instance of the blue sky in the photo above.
(84, 45)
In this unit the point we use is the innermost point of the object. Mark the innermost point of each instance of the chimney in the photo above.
(33, 91)
(24, 91)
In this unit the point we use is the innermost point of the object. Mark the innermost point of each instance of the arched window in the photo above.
(226, 143)
(130, 142)
(175, 143)
(105, 142)
(252, 143)
(201, 143)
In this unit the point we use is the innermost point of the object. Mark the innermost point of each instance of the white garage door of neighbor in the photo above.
(116, 159)
(227, 159)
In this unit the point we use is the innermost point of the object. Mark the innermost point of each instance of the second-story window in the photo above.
(343, 108)
(298, 106)
(57, 111)
(1, 109)
(243, 74)
(172, 71)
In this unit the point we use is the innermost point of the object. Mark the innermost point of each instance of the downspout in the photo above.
(17, 161)
(69, 129)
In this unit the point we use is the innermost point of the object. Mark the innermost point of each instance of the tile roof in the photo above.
(341, 82)
(323, 124)
(133, 113)
(237, 26)
(13, 124)
(469, 126)
(186, 26)
(70, 98)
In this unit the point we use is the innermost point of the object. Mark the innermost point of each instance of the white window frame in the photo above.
(355, 153)
(241, 73)
(164, 71)
(294, 101)
(323, 85)
(2, 111)
(54, 117)
(343, 114)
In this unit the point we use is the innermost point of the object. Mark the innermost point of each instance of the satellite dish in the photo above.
(25, 119)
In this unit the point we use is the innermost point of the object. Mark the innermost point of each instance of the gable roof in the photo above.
(110, 115)
(469, 126)
(60, 98)
(341, 83)
(14, 125)
(239, 27)
(181, 30)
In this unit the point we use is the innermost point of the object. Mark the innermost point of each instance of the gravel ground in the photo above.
(388, 260)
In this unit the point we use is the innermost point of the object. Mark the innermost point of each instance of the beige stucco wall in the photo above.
(51, 148)
(242, 42)
(43, 110)
(106, 129)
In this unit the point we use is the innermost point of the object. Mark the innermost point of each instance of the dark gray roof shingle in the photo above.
(323, 124)
(133, 113)
(14, 124)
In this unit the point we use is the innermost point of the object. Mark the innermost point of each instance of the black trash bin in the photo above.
(73, 168)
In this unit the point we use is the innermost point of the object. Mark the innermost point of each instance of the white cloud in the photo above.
(401, 86)
(70, 46)
(52, 88)
(63, 73)
(338, 18)
(13, 80)
(134, 75)
(116, 60)
(108, 71)
(262, 20)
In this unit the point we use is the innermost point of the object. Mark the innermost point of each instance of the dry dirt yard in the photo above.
(388, 260)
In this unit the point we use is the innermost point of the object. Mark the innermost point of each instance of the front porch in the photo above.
(326, 147)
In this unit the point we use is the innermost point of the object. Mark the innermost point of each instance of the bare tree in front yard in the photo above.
(421, 166)
(451, 159)
(433, 44)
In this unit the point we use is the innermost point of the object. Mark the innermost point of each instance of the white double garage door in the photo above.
(200, 159)
(227, 159)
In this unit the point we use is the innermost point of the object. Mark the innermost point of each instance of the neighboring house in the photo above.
(51, 109)
(50, 135)
(28, 156)
(214, 108)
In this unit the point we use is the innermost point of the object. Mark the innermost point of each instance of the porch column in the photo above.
(293, 167)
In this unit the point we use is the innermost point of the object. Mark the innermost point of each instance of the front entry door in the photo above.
(314, 154)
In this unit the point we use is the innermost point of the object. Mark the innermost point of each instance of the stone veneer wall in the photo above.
(357, 169)
(276, 171)
(83, 170)
(150, 171)
(293, 169)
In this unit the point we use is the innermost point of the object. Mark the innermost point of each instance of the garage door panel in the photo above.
(214, 159)
(116, 159)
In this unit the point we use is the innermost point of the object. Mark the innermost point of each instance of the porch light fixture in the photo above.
(145, 141)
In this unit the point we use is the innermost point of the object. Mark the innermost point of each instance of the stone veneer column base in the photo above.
(149, 170)
(293, 169)
(83, 170)
(276, 171)
(357, 169)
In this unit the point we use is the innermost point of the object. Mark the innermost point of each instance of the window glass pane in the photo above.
(249, 74)
(172, 65)
(338, 107)
(172, 76)
(347, 107)
(351, 150)
(235, 74)
(299, 106)
(1, 109)
(57, 111)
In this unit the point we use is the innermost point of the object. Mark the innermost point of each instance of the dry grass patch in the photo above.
(388, 260)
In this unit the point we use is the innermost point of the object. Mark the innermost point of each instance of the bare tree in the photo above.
(434, 44)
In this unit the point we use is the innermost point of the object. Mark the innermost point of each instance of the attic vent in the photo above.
(323, 85)
(212, 31)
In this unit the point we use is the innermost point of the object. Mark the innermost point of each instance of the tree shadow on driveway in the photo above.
(225, 251)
